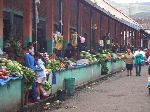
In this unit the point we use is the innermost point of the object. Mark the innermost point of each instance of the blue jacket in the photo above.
(29, 61)
(139, 59)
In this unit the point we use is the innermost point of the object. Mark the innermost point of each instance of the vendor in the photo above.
(31, 48)
(69, 51)
(29, 59)
(9, 50)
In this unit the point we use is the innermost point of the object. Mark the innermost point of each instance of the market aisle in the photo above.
(117, 94)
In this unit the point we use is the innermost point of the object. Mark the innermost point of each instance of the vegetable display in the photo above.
(46, 85)
(3, 74)
(13, 68)
(87, 55)
(100, 57)
(53, 64)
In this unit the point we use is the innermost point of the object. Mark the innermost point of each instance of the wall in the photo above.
(11, 96)
(78, 18)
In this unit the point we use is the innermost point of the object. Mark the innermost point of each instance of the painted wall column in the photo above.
(101, 25)
(119, 33)
(1, 24)
(140, 39)
(115, 32)
(80, 18)
(104, 27)
(27, 22)
(132, 37)
(122, 38)
(66, 21)
(126, 39)
(88, 28)
(98, 27)
(112, 30)
(126, 35)
(108, 24)
(136, 39)
(50, 25)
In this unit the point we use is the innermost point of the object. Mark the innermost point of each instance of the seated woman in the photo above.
(69, 51)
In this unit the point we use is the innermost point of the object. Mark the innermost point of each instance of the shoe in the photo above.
(38, 98)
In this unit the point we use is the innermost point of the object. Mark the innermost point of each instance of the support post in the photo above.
(1, 24)
(27, 22)
(50, 25)
(66, 21)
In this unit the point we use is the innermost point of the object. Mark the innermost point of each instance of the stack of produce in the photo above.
(107, 51)
(107, 54)
(100, 57)
(13, 68)
(87, 55)
(46, 85)
(120, 55)
(53, 65)
(4, 74)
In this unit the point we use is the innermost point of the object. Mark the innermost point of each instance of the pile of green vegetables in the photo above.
(46, 85)
(87, 55)
(16, 69)
(53, 65)
(103, 61)
(100, 57)
(107, 51)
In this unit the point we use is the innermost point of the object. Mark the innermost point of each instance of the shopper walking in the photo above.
(129, 62)
(138, 61)
(147, 54)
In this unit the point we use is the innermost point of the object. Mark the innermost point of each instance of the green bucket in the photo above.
(70, 85)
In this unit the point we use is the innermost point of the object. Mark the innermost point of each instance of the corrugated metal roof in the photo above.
(114, 13)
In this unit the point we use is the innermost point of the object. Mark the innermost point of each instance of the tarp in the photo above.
(4, 81)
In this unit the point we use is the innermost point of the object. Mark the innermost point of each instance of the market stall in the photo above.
(15, 80)
(82, 76)
(11, 94)
(87, 68)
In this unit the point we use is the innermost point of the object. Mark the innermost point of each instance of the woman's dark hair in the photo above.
(37, 54)
(29, 44)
